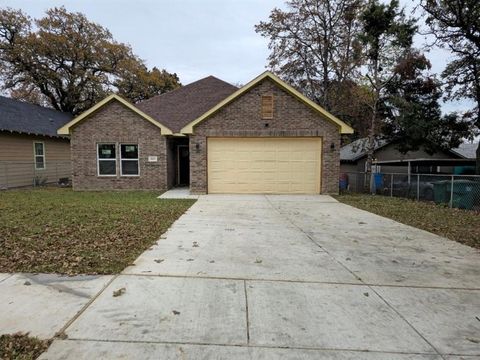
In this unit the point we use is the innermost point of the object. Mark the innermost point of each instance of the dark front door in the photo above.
(183, 165)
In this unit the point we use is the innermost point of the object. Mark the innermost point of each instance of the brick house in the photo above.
(265, 137)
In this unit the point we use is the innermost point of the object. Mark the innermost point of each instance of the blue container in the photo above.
(378, 180)
(343, 181)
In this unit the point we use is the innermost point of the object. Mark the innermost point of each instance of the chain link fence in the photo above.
(24, 173)
(458, 191)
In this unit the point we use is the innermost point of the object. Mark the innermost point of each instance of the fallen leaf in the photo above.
(119, 292)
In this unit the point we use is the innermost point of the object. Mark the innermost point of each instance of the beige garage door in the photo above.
(264, 165)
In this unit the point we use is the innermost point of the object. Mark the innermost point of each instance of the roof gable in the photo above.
(22, 117)
(466, 150)
(179, 107)
(66, 129)
(343, 127)
(358, 149)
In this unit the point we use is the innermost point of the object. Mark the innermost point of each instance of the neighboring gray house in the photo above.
(466, 150)
(388, 159)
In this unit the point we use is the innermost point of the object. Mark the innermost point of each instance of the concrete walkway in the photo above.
(178, 193)
(44, 304)
(290, 277)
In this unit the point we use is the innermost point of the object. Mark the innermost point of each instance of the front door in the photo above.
(183, 165)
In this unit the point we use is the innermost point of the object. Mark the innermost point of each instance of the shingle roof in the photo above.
(358, 149)
(179, 107)
(466, 150)
(22, 117)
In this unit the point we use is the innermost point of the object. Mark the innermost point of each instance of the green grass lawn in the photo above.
(459, 225)
(62, 231)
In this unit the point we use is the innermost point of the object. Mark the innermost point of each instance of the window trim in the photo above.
(137, 159)
(43, 155)
(98, 159)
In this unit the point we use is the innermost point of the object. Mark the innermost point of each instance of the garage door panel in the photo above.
(264, 165)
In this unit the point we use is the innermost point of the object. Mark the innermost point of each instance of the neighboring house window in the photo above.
(267, 106)
(129, 160)
(106, 160)
(39, 155)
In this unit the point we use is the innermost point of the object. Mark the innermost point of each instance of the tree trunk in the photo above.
(371, 148)
(477, 167)
(371, 133)
(477, 122)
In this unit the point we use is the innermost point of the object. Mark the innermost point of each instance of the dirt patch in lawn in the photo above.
(21, 347)
(62, 231)
(456, 224)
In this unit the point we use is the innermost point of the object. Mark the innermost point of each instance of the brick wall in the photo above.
(242, 118)
(114, 123)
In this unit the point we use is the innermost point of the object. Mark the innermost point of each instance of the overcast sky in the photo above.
(193, 38)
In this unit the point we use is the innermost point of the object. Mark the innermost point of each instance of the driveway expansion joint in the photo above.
(408, 322)
(61, 332)
(252, 346)
(302, 281)
(246, 311)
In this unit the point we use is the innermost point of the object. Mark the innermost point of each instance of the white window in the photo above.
(129, 160)
(39, 155)
(106, 160)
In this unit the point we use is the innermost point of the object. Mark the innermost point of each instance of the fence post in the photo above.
(451, 192)
(6, 174)
(391, 185)
(418, 187)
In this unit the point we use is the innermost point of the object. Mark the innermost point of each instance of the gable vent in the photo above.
(267, 106)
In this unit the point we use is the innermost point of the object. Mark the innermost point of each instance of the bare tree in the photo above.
(387, 36)
(314, 45)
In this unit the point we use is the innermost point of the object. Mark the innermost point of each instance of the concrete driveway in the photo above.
(291, 277)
